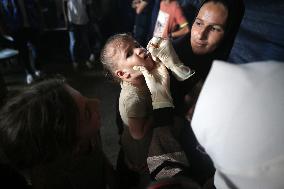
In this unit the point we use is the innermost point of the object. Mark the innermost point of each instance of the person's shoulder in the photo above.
(128, 93)
(126, 86)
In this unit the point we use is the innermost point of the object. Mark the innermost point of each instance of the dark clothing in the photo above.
(3, 90)
(163, 117)
(79, 42)
(10, 178)
(202, 167)
(166, 157)
(12, 17)
(261, 33)
(22, 37)
(12, 22)
(88, 170)
(142, 24)
(189, 8)
(124, 16)
(154, 15)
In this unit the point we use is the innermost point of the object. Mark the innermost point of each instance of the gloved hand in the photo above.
(158, 82)
(162, 50)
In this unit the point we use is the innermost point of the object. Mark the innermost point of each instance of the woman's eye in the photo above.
(197, 23)
(216, 29)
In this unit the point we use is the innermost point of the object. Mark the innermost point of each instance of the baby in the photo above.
(120, 55)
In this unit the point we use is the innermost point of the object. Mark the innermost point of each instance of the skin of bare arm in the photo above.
(181, 32)
(138, 127)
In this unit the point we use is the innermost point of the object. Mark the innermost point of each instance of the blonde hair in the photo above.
(110, 49)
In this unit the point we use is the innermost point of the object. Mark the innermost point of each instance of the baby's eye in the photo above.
(129, 53)
(137, 45)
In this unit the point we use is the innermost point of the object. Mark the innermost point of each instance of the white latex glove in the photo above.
(162, 50)
(158, 82)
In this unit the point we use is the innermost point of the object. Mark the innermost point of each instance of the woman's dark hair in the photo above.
(39, 124)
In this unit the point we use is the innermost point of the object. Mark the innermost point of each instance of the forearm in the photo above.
(138, 127)
(184, 30)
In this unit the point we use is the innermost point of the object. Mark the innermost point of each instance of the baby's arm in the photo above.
(135, 110)
(138, 127)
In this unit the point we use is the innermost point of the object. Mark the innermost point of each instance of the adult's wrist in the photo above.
(159, 105)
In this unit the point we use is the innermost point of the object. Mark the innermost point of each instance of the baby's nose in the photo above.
(141, 51)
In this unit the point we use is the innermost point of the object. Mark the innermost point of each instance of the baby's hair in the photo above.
(107, 53)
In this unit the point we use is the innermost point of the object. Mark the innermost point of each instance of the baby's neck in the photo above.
(138, 82)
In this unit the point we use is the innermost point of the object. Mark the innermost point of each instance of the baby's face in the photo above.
(129, 53)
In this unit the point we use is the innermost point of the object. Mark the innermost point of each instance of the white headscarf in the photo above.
(239, 120)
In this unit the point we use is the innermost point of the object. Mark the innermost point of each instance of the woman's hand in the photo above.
(158, 82)
(162, 50)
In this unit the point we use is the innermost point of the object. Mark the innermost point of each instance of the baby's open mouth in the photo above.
(147, 54)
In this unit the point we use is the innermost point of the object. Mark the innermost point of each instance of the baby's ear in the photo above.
(122, 74)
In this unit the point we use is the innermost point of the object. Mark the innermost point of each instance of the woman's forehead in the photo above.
(212, 12)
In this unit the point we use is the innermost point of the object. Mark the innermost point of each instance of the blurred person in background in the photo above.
(78, 17)
(22, 21)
